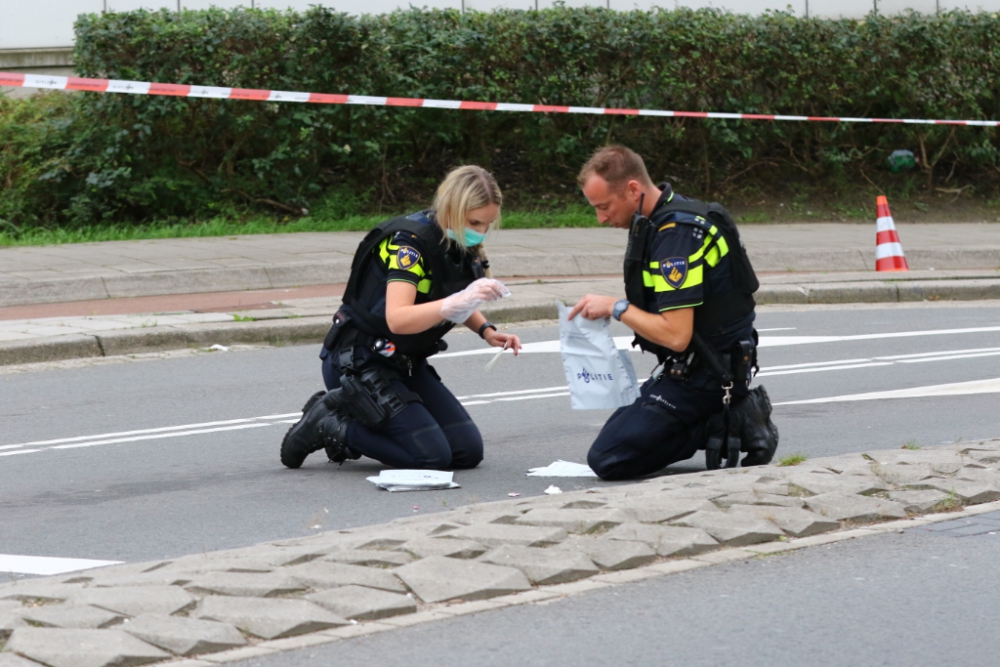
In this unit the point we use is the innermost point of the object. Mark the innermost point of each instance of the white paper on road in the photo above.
(47, 565)
(414, 480)
(560, 468)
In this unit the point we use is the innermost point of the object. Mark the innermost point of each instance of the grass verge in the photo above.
(520, 215)
(572, 216)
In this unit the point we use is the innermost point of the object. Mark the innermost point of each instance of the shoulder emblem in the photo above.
(407, 257)
(675, 271)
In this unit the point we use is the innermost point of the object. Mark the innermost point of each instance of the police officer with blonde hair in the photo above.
(689, 287)
(413, 278)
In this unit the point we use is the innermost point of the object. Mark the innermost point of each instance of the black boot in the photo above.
(759, 435)
(305, 437)
(334, 433)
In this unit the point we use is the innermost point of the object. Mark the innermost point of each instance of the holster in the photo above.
(336, 332)
(370, 397)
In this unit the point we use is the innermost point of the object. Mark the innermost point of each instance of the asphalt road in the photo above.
(923, 598)
(136, 465)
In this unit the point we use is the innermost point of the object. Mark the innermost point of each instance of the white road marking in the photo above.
(940, 352)
(511, 393)
(525, 398)
(125, 433)
(779, 341)
(158, 436)
(952, 389)
(45, 565)
(842, 364)
(625, 342)
(949, 358)
(518, 395)
(622, 342)
(544, 346)
(767, 373)
(817, 363)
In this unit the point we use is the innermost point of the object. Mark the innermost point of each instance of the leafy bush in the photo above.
(125, 158)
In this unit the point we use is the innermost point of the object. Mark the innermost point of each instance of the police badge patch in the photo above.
(675, 271)
(407, 257)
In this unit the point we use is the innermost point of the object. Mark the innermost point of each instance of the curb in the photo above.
(443, 611)
(162, 339)
(506, 265)
(888, 291)
(305, 330)
(195, 281)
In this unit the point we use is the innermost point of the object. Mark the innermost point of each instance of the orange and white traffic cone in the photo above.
(888, 250)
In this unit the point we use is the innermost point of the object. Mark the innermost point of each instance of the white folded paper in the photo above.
(414, 480)
(561, 468)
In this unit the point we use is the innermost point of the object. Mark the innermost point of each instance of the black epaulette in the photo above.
(403, 237)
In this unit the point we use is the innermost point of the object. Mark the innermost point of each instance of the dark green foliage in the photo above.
(124, 158)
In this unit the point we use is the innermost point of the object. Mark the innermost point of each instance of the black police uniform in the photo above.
(687, 265)
(433, 430)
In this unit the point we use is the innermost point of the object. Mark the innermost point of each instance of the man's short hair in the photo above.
(617, 165)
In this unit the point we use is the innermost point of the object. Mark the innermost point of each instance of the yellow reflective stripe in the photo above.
(723, 246)
(709, 240)
(712, 258)
(695, 276)
(669, 225)
(383, 250)
(719, 250)
(418, 269)
(423, 286)
(691, 305)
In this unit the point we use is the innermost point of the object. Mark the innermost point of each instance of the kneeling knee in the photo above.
(466, 445)
(603, 466)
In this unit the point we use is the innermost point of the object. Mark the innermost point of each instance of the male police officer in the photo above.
(689, 288)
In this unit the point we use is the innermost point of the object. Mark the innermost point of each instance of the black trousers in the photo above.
(436, 434)
(666, 424)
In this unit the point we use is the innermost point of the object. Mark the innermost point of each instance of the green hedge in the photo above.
(119, 157)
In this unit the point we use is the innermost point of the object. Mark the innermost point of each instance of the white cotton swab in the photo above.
(496, 359)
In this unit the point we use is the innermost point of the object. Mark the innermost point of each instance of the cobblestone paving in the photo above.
(222, 606)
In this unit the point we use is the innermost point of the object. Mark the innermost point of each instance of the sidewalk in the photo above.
(234, 605)
(127, 297)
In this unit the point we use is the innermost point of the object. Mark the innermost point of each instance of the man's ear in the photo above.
(633, 189)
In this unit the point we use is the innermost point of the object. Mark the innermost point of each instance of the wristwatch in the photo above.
(620, 307)
(484, 326)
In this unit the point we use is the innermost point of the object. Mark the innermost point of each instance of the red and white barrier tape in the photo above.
(212, 92)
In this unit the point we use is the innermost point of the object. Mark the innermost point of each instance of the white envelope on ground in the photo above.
(414, 480)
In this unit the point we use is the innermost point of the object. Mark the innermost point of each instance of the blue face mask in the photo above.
(472, 237)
